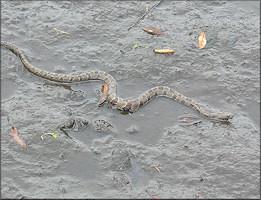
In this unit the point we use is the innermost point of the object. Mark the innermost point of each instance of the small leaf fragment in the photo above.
(137, 45)
(60, 32)
(202, 41)
(156, 167)
(152, 30)
(163, 50)
(17, 138)
(52, 134)
(104, 94)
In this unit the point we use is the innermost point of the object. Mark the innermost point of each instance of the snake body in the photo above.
(120, 103)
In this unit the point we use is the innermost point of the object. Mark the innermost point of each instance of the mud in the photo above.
(110, 154)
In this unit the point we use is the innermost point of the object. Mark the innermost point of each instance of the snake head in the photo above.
(222, 115)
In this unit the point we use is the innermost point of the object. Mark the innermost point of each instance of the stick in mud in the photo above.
(155, 5)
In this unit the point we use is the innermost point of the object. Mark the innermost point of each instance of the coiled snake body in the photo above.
(122, 104)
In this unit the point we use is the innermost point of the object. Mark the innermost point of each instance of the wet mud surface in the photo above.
(101, 152)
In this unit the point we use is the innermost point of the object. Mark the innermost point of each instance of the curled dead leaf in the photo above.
(104, 94)
(202, 41)
(163, 50)
(152, 30)
(17, 138)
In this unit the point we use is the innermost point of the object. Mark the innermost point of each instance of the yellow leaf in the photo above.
(163, 50)
(202, 41)
(52, 134)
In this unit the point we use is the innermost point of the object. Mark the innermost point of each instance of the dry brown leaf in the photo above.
(104, 94)
(202, 41)
(163, 50)
(17, 138)
(152, 30)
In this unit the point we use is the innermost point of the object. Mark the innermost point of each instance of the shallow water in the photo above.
(104, 159)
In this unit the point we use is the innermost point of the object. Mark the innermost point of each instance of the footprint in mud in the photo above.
(73, 125)
(120, 180)
(120, 160)
(76, 125)
(102, 125)
(125, 162)
(84, 132)
(139, 176)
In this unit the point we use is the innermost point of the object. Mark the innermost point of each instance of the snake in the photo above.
(130, 105)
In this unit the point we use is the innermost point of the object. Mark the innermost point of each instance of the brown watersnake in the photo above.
(120, 103)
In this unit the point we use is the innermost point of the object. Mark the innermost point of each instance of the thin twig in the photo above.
(155, 5)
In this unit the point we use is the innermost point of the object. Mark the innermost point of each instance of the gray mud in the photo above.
(108, 154)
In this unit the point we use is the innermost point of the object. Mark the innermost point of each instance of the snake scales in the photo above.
(122, 104)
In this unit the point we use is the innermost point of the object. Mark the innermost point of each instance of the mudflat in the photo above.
(101, 152)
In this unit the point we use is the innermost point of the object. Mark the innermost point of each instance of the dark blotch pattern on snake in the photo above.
(122, 104)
